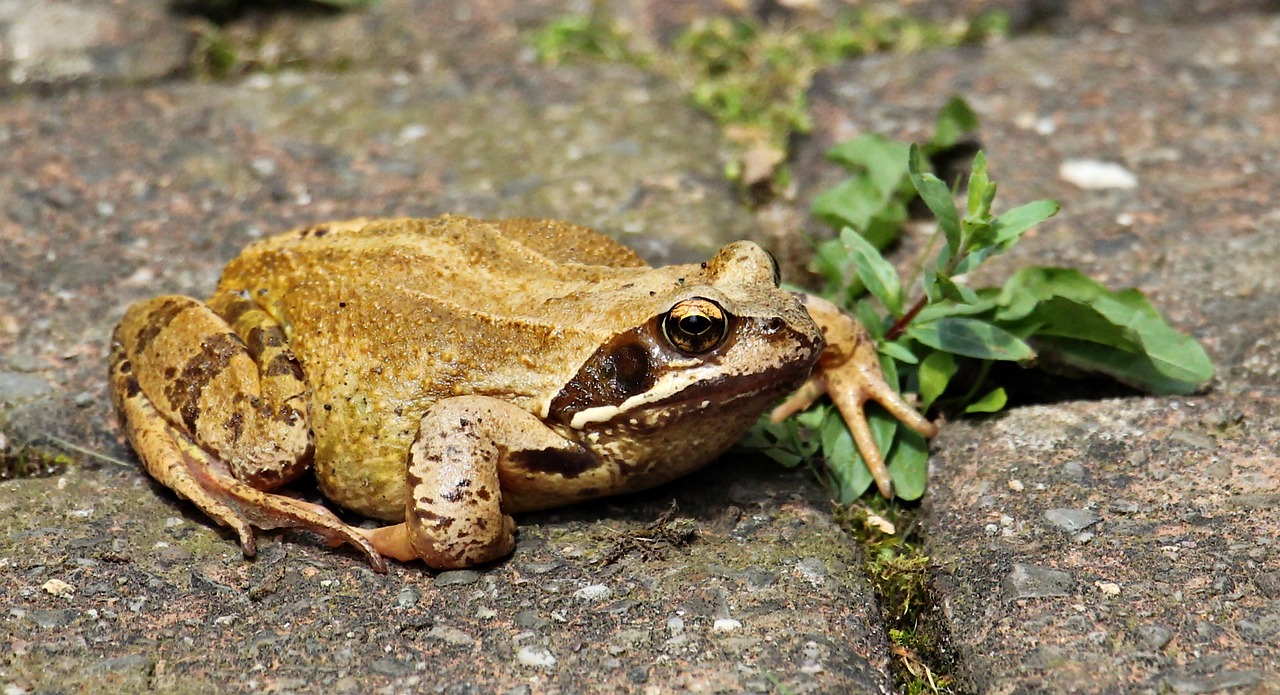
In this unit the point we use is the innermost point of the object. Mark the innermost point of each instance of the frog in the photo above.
(440, 376)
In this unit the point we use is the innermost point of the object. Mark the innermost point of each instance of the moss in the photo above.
(899, 570)
(32, 462)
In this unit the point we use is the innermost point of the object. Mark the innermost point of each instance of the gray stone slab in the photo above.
(79, 41)
(1169, 586)
(114, 585)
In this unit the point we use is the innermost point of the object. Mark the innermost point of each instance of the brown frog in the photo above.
(444, 374)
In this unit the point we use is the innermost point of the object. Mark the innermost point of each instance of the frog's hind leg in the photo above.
(227, 426)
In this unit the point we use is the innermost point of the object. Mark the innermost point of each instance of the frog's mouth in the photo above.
(655, 408)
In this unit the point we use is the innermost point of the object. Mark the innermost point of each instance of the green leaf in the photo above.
(937, 196)
(841, 283)
(949, 289)
(898, 351)
(978, 185)
(1013, 223)
(877, 274)
(955, 120)
(909, 465)
(1006, 230)
(870, 319)
(883, 160)
(935, 373)
(856, 203)
(851, 475)
(1084, 324)
(971, 338)
(993, 402)
(985, 304)
(852, 202)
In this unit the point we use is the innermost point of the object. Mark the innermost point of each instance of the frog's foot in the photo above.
(849, 372)
(178, 463)
(397, 542)
(251, 507)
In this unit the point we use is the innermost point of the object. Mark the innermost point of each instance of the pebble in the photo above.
(593, 593)
(1108, 588)
(450, 635)
(1262, 630)
(536, 657)
(1034, 581)
(51, 619)
(1193, 684)
(57, 587)
(1093, 174)
(456, 578)
(1268, 584)
(530, 620)
(1153, 637)
(813, 569)
(1071, 520)
(408, 597)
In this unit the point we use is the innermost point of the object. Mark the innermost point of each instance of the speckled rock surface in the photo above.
(1122, 545)
(79, 41)
(114, 585)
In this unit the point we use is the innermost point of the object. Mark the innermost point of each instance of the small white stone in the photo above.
(1016, 485)
(1093, 174)
(57, 587)
(594, 592)
(725, 625)
(413, 132)
(536, 657)
(1108, 588)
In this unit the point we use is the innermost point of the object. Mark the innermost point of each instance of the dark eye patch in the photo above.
(617, 371)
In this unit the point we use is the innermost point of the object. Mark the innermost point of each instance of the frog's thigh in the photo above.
(454, 515)
(167, 414)
(234, 388)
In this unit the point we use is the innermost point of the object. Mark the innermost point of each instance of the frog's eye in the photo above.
(694, 326)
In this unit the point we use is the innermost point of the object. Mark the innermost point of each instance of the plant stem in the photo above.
(900, 325)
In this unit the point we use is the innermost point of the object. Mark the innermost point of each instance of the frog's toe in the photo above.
(399, 542)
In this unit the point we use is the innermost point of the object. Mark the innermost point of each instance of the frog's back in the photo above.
(443, 253)
(407, 292)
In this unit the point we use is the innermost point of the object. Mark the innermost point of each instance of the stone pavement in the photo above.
(1118, 545)
(1129, 544)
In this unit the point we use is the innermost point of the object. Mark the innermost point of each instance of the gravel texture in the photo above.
(1123, 544)
(1082, 543)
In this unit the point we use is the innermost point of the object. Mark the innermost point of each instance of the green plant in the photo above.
(1040, 316)
(753, 77)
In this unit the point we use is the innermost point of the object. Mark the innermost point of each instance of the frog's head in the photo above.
(704, 350)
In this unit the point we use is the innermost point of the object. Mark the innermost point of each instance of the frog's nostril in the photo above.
(774, 324)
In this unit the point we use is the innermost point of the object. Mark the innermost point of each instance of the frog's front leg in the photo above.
(468, 449)
(214, 404)
(849, 372)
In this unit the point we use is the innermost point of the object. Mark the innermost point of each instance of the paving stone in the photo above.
(1187, 477)
(113, 194)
